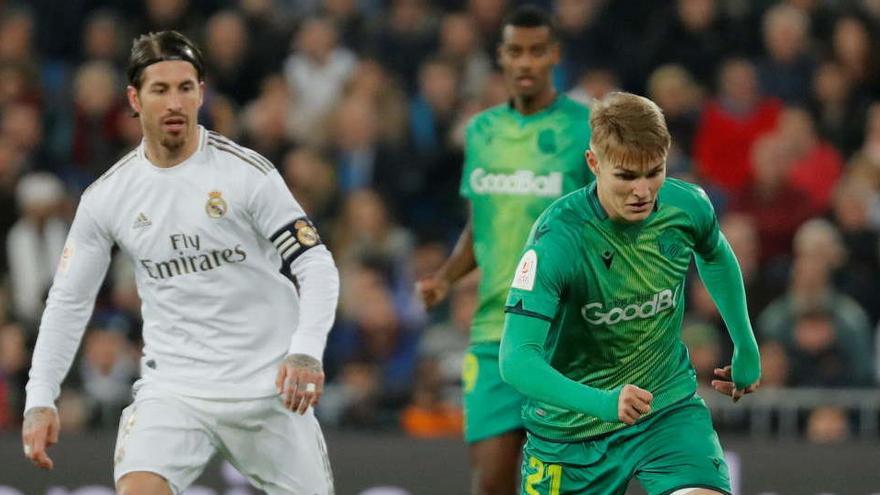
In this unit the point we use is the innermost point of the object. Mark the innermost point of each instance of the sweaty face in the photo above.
(527, 56)
(168, 103)
(627, 192)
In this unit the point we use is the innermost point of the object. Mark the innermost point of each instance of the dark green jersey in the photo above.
(614, 294)
(515, 167)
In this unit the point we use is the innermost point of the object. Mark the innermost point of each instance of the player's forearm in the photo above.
(523, 367)
(61, 330)
(318, 295)
(462, 260)
(721, 274)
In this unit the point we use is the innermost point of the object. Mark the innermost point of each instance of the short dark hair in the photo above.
(532, 16)
(151, 48)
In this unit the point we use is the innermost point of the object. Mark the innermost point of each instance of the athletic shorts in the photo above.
(672, 449)
(491, 406)
(175, 436)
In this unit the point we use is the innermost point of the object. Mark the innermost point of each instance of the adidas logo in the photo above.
(141, 222)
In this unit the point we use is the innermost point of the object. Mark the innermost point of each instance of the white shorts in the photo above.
(174, 436)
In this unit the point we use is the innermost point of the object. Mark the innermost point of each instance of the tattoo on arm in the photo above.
(35, 413)
(304, 361)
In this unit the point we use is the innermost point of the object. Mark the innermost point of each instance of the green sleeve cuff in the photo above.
(721, 274)
(523, 366)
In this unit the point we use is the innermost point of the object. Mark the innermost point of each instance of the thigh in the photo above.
(159, 434)
(494, 462)
(680, 449)
(279, 451)
(555, 468)
(491, 406)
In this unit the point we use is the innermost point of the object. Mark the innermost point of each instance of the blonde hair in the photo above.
(628, 129)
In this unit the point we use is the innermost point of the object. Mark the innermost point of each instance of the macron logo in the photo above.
(521, 183)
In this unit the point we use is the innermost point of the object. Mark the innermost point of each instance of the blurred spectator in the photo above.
(265, 120)
(786, 68)
(593, 84)
(730, 125)
(858, 275)
(94, 141)
(838, 107)
(853, 46)
(22, 123)
(775, 372)
(311, 179)
(107, 370)
(269, 26)
(230, 68)
(105, 39)
(701, 340)
(761, 285)
(777, 207)
(428, 415)
(816, 165)
(445, 343)
(405, 37)
(460, 45)
(825, 333)
(349, 20)
(17, 37)
(35, 242)
(828, 425)
(585, 40)
(370, 330)
(14, 360)
(316, 73)
(363, 161)
(161, 15)
(487, 16)
(373, 83)
(673, 89)
(694, 34)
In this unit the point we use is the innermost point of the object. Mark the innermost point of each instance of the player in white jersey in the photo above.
(207, 224)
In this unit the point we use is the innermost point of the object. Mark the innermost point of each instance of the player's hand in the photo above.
(724, 384)
(300, 382)
(432, 290)
(39, 431)
(633, 403)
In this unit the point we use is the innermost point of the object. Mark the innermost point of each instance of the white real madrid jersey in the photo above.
(219, 315)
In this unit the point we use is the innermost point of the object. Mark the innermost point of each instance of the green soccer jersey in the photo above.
(614, 295)
(515, 167)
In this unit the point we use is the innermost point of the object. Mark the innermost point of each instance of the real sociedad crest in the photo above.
(216, 206)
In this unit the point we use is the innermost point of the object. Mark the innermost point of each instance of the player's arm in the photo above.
(433, 288)
(533, 301)
(277, 215)
(722, 277)
(523, 366)
(71, 301)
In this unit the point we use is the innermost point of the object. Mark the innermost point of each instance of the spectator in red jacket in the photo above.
(730, 125)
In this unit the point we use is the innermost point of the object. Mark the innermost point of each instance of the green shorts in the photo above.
(673, 449)
(491, 407)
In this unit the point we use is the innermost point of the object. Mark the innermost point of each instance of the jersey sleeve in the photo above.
(78, 278)
(705, 224)
(278, 217)
(542, 273)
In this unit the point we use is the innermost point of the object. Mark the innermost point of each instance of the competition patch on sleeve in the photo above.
(66, 258)
(295, 238)
(526, 270)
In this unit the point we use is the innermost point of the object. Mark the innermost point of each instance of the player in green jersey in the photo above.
(592, 333)
(519, 158)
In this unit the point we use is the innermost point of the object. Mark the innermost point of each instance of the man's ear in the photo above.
(133, 100)
(592, 162)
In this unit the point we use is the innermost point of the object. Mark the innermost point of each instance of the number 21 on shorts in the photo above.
(553, 471)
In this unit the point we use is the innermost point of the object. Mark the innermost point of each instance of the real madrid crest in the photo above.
(306, 234)
(216, 206)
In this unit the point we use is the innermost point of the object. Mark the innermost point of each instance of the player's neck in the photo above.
(166, 157)
(531, 105)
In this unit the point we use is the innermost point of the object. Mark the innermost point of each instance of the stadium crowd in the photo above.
(774, 108)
